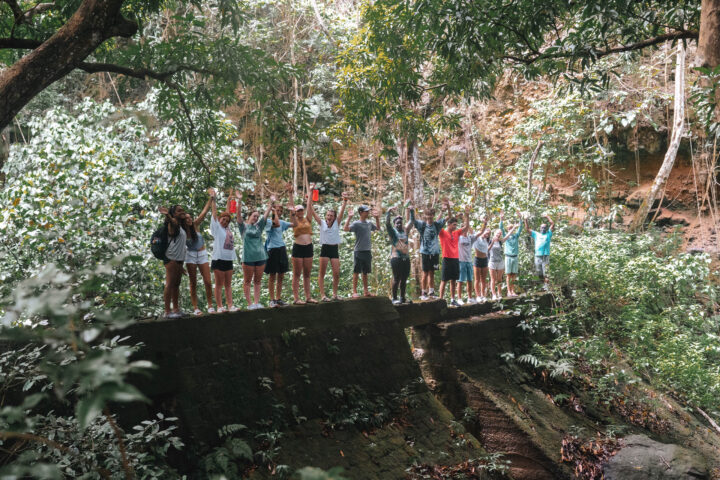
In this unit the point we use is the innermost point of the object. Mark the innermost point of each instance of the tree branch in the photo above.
(19, 43)
(680, 35)
(141, 73)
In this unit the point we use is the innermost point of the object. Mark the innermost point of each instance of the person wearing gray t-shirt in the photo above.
(363, 249)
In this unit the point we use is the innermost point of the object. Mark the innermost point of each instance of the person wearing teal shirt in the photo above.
(542, 247)
(254, 254)
(511, 254)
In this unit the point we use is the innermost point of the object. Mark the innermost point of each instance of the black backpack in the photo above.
(159, 242)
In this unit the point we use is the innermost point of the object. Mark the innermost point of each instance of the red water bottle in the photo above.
(233, 205)
(316, 195)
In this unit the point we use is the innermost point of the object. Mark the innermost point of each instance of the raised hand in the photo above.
(345, 196)
(375, 212)
(163, 210)
(468, 209)
(273, 199)
(211, 192)
(392, 209)
(238, 194)
(502, 215)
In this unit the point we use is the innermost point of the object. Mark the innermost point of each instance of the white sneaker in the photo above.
(396, 301)
(211, 310)
(431, 293)
(233, 309)
(252, 306)
(460, 302)
(197, 312)
(423, 297)
(471, 301)
(258, 306)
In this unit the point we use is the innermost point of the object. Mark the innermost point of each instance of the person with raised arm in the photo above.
(399, 255)
(302, 250)
(254, 255)
(480, 267)
(449, 241)
(197, 259)
(542, 248)
(174, 258)
(277, 263)
(429, 228)
(329, 243)
(465, 255)
(497, 262)
(512, 250)
(363, 247)
(223, 254)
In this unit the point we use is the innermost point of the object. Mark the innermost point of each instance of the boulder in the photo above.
(644, 459)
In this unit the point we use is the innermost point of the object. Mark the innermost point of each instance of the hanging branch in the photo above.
(531, 168)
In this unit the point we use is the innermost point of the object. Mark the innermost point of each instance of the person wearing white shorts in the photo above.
(196, 259)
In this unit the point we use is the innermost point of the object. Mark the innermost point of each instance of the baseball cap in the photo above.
(364, 208)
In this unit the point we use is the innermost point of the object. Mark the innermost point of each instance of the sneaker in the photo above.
(258, 306)
(280, 303)
(460, 302)
(272, 304)
(233, 309)
(423, 297)
(405, 301)
(211, 310)
(395, 301)
(471, 301)
(222, 309)
(197, 312)
(173, 315)
(454, 303)
(431, 293)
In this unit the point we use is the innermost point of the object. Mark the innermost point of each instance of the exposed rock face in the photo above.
(644, 459)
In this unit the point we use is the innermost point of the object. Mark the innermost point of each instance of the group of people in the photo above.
(468, 256)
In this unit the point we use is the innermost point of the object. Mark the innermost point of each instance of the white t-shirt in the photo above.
(330, 235)
(481, 245)
(223, 241)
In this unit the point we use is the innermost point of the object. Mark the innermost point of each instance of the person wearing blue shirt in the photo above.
(277, 263)
(429, 230)
(542, 247)
(511, 254)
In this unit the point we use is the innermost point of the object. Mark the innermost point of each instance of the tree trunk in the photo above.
(678, 129)
(94, 22)
(415, 170)
(708, 53)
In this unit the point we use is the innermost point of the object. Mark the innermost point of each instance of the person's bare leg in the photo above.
(219, 284)
(484, 281)
(307, 271)
(442, 289)
(460, 289)
(279, 286)
(453, 288)
(205, 274)
(192, 278)
(366, 290)
(271, 286)
(477, 282)
(355, 281)
(335, 264)
(166, 290)
(248, 272)
(175, 291)
(257, 283)
(431, 280)
(228, 288)
(297, 271)
(321, 275)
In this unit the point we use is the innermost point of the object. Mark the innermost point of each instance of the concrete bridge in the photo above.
(326, 376)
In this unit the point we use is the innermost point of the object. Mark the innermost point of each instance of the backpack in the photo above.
(159, 242)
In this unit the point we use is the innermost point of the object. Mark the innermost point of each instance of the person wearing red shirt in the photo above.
(449, 241)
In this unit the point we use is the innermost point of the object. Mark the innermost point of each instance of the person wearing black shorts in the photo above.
(363, 250)
(450, 241)
(302, 250)
(277, 263)
(329, 243)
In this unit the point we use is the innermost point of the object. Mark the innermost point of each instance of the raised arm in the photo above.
(413, 221)
(238, 215)
(486, 219)
(293, 218)
(448, 213)
(342, 207)
(525, 222)
(313, 213)
(375, 212)
(550, 221)
(204, 212)
(213, 197)
(509, 233)
(270, 207)
(389, 226)
(172, 222)
(502, 223)
(520, 222)
(466, 224)
(309, 206)
(347, 222)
